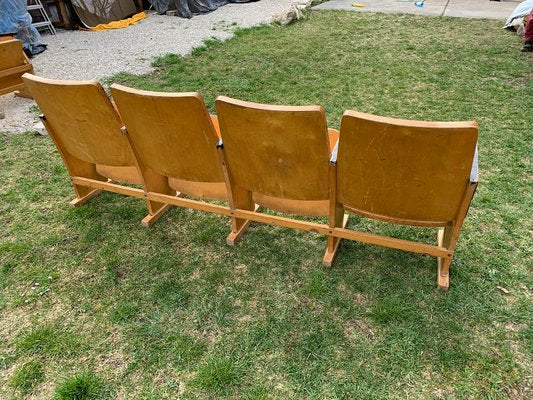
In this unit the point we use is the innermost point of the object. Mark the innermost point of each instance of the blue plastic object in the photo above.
(419, 4)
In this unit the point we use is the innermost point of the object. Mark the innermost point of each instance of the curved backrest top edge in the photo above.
(142, 92)
(61, 82)
(267, 107)
(411, 123)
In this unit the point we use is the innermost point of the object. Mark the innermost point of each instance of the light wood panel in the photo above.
(277, 151)
(275, 156)
(11, 54)
(172, 132)
(83, 119)
(310, 208)
(202, 190)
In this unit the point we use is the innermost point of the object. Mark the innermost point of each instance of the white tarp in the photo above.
(521, 10)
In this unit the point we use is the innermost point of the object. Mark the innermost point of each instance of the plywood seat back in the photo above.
(277, 151)
(173, 135)
(83, 119)
(403, 171)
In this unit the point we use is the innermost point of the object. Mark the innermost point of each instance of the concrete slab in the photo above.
(480, 9)
(451, 8)
(431, 7)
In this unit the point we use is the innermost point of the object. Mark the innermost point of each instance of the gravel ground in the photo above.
(81, 55)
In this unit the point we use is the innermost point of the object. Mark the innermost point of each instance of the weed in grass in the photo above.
(185, 349)
(205, 47)
(83, 386)
(115, 271)
(168, 59)
(390, 310)
(218, 374)
(153, 345)
(318, 285)
(27, 377)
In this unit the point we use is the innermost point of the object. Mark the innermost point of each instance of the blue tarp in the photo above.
(15, 20)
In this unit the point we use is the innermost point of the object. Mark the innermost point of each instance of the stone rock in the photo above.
(289, 15)
(39, 128)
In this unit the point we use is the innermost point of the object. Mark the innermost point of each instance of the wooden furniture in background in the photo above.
(63, 12)
(13, 64)
(59, 12)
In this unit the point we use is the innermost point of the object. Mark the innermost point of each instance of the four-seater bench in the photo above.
(251, 157)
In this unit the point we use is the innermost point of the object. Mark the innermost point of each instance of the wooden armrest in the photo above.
(474, 176)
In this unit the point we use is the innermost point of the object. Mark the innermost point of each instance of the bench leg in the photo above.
(81, 200)
(443, 264)
(151, 219)
(239, 227)
(156, 211)
(333, 246)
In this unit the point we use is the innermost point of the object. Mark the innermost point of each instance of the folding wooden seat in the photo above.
(405, 172)
(13, 64)
(277, 157)
(174, 139)
(86, 130)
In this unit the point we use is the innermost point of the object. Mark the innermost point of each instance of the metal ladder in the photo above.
(45, 23)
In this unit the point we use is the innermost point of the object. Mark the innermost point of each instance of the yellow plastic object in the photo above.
(358, 5)
(123, 23)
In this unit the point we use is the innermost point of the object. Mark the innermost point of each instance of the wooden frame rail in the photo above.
(324, 229)
(108, 186)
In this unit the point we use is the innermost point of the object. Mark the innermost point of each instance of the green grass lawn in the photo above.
(93, 306)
